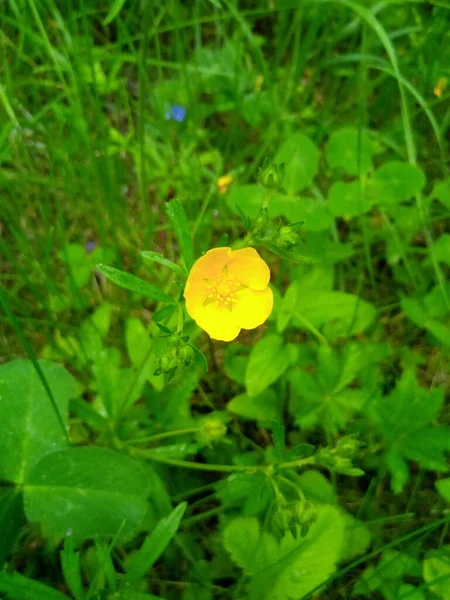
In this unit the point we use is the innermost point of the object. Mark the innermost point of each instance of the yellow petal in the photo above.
(206, 269)
(217, 321)
(252, 308)
(249, 268)
(211, 264)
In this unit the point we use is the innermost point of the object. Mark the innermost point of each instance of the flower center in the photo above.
(223, 291)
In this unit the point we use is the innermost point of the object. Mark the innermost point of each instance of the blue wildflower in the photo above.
(176, 112)
(90, 246)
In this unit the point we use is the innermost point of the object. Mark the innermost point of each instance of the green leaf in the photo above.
(268, 361)
(301, 159)
(177, 216)
(12, 519)
(441, 192)
(30, 427)
(398, 468)
(200, 358)
(135, 284)
(293, 568)
(154, 545)
(315, 216)
(443, 487)
(441, 249)
(278, 439)
(356, 537)
(77, 260)
(250, 548)
(164, 313)
(350, 313)
(351, 150)
(348, 199)
(265, 407)
(161, 260)
(395, 182)
(67, 493)
(300, 451)
(70, 563)
(317, 488)
(437, 566)
(101, 318)
(19, 587)
(137, 340)
(403, 420)
(115, 9)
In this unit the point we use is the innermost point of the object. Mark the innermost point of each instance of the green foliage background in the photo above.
(307, 459)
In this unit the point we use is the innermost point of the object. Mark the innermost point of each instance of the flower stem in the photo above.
(174, 462)
(322, 339)
(161, 436)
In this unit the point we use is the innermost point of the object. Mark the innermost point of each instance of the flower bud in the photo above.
(213, 429)
(186, 354)
(348, 446)
(287, 238)
(270, 175)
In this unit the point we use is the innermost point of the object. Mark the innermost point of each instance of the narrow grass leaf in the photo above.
(177, 216)
(115, 9)
(161, 260)
(155, 544)
(135, 284)
(19, 587)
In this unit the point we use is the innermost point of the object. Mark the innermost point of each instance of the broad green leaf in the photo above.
(115, 9)
(101, 318)
(350, 150)
(67, 492)
(437, 567)
(441, 249)
(137, 340)
(351, 313)
(161, 260)
(315, 216)
(154, 545)
(30, 427)
(265, 407)
(398, 469)
(171, 406)
(356, 537)
(250, 198)
(441, 192)
(443, 487)
(403, 421)
(268, 361)
(301, 159)
(348, 199)
(303, 564)
(387, 575)
(177, 216)
(395, 182)
(416, 311)
(247, 492)
(407, 591)
(250, 548)
(19, 587)
(135, 284)
(317, 488)
(12, 519)
(77, 260)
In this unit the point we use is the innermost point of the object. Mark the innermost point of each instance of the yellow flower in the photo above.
(440, 86)
(224, 182)
(227, 291)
